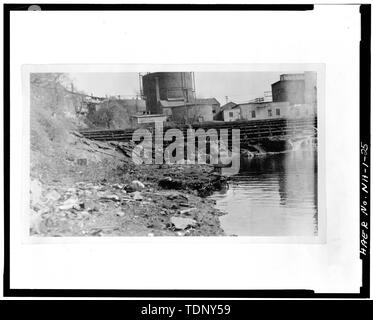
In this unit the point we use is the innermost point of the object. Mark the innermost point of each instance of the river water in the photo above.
(274, 195)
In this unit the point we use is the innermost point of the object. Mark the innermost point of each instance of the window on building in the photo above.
(253, 115)
(277, 112)
(231, 114)
(269, 113)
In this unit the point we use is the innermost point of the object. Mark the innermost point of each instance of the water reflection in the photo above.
(275, 195)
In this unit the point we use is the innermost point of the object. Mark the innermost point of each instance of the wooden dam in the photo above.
(268, 133)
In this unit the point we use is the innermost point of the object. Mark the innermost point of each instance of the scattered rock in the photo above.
(187, 211)
(169, 183)
(176, 195)
(120, 213)
(137, 185)
(85, 214)
(200, 183)
(86, 207)
(71, 190)
(182, 204)
(91, 205)
(182, 223)
(43, 210)
(172, 196)
(71, 203)
(52, 195)
(137, 196)
(36, 191)
(112, 197)
(118, 186)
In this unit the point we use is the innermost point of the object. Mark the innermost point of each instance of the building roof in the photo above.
(289, 77)
(207, 101)
(264, 104)
(228, 106)
(292, 76)
(148, 115)
(171, 104)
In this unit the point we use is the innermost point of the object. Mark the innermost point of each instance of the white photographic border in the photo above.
(333, 266)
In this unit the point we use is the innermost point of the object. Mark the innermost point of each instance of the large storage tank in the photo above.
(296, 88)
(169, 86)
(290, 88)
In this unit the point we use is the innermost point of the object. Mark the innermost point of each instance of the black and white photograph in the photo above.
(186, 151)
(174, 154)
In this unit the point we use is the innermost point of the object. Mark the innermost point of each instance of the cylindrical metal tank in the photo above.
(168, 86)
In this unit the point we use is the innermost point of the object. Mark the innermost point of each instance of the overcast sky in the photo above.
(238, 86)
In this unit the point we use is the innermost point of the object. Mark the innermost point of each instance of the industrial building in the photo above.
(192, 113)
(165, 87)
(215, 104)
(233, 114)
(220, 114)
(294, 96)
(298, 88)
(144, 120)
(199, 110)
(271, 110)
(173, 94)
(263, 110)
(228, 112)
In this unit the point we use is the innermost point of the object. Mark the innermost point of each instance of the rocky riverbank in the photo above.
(144, 200)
